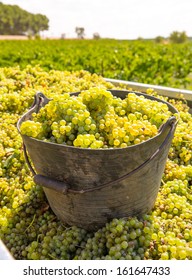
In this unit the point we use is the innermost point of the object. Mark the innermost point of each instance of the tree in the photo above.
(80, 31)
(16, 21)
(63, 36)
(159, 39)
(178, 37)
(38, 23)
(96, 36)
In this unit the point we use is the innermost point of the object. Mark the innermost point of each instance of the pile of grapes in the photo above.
(29, 228)
(97, 119)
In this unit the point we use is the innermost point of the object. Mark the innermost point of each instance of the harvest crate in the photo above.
(161, 90)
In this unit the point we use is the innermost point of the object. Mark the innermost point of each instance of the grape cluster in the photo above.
(121, 239)
(97, 119)
(28, 226)
(54, 240)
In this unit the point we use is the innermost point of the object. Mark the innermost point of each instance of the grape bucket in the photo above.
(89, 187)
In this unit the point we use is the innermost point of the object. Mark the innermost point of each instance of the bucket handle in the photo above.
(63, 187)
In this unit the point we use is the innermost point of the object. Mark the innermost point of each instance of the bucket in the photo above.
(89, 187)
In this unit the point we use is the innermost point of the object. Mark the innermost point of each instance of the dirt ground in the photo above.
(13, 37)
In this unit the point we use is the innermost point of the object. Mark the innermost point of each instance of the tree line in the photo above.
(16, 21)
(174, 37)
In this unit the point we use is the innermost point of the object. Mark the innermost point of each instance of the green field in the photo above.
(28, 227)
(138, 61)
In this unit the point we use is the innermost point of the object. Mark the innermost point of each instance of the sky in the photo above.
(119, 19)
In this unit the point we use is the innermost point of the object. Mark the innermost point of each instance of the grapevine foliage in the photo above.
(138, 61)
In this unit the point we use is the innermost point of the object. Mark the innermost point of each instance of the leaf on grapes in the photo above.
(8, 161)
(9, 151)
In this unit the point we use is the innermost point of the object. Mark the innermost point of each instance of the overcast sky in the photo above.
(120, 19)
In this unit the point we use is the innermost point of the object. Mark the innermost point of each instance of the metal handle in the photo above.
(45, 181)
(39, 101)
(50, 183)
(63, 187)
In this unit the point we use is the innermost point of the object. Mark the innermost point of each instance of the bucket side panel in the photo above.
(131, 197)
(82, 168)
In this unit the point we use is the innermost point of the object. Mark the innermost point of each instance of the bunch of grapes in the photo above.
(97, 119)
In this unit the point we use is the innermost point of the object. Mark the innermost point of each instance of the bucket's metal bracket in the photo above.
(49, 183)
